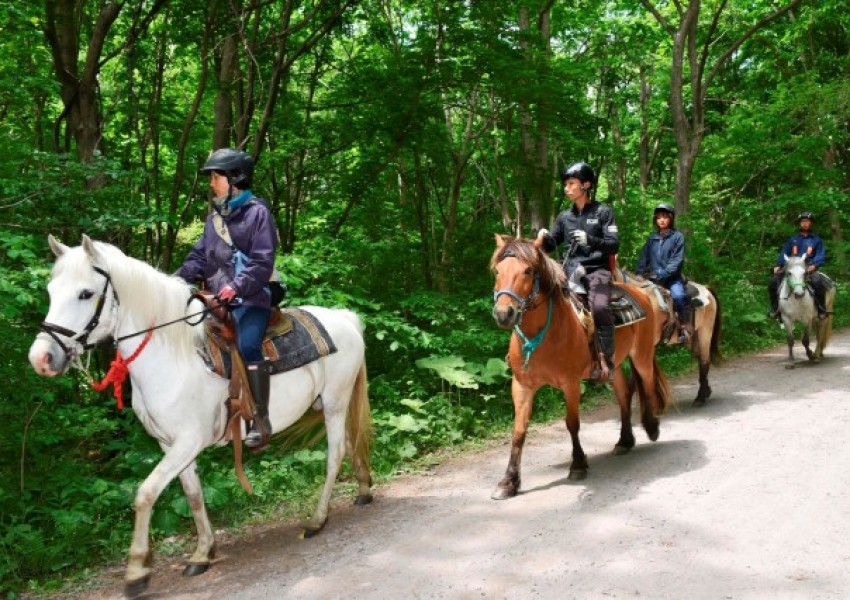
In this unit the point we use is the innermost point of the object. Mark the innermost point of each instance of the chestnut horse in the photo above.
(704, 344)
(550, 347)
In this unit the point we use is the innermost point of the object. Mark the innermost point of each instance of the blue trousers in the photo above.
(251, 323)
(680, 296)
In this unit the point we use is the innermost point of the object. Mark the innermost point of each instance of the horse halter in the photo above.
(524, 303)
(81, 338)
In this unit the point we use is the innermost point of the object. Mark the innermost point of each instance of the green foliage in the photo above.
(397, 145)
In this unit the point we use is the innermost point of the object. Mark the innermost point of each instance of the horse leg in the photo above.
(177, 458)
(789, 338)
(809, 354)
(704, 391)
(335, 426)
(523, 401)
(572, 395)
(205, 552)
(623, 391)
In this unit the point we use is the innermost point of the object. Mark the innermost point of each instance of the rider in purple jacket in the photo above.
(238, 272)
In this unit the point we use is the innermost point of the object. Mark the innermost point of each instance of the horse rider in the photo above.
(235, 257)
(808, 245)
(661, 261)
(590, 230)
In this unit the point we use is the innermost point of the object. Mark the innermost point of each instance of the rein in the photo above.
(525, 304)
(82, 337)
(530, 345)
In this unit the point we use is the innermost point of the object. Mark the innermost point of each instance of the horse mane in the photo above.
(552, 276)
(152, 298)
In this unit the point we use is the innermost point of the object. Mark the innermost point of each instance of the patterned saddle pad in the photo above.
(297, 339)
(624, 308)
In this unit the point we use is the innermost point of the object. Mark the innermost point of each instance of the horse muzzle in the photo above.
(47, 358)
(506, 316)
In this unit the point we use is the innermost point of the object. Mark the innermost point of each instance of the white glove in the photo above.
(580, 237)
(543, 232)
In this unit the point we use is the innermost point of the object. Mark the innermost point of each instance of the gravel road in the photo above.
(745, 498)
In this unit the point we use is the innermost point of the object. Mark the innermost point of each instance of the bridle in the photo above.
(794, 283)
(82, 338)
(529, 345)
(524, 303)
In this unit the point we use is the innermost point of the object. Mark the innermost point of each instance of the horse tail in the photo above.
(663, 391)
(714, 351)
(662, 387)
(826, 325)
(358, 429)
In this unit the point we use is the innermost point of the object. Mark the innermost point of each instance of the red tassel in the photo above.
(116, 375)
(118, 372)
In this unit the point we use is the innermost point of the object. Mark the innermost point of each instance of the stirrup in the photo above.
(258, 438)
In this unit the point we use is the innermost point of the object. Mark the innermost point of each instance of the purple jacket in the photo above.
(253, 233)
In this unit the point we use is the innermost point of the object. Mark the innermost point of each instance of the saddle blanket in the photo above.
(624, 308)
(298, 340)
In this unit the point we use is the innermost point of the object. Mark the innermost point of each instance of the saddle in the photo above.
(293, 338)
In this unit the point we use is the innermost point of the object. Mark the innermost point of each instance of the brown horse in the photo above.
(550, 347)
(704, 344)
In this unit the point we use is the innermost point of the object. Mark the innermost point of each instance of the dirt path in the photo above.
(745, 498)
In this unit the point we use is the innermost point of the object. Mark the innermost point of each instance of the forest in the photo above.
(393, 139)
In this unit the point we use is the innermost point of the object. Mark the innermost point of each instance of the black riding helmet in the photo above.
(581, 171)
(806, 215)
(237, 165)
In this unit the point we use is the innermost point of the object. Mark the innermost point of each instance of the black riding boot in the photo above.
(773, 291)
(605, 337)
(259, 375)
(686, 330)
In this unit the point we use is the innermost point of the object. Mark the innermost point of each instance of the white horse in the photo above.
(796, 304)
(96, 292)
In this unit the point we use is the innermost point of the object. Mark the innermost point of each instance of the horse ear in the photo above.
(58, 247)
(88, 246)
(500, 240)
(786, 257)
(538, 242)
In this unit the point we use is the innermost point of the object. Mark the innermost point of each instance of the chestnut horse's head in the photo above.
(523, 274)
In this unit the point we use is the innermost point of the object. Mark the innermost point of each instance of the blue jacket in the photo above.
(809, 246)
(663, 255)
(253, 233)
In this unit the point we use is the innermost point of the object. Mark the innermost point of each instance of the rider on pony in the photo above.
(235, 258)
(591, 231)
(806, 244)
(661, 261)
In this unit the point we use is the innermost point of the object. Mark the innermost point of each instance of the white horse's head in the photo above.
(83, 306)
(795, 274)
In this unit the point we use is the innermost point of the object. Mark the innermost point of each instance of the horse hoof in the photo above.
(789, 365)
(363, 499)
(577, 475)
(621, 450)
(134, 589)
(652, 430)
(699, 402)
(501, 493)
(194, 569)
(311, 531)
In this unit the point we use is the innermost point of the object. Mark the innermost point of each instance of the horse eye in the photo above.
(86, 294)
(528, 271)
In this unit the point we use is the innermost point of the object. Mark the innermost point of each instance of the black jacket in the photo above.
(603, 240)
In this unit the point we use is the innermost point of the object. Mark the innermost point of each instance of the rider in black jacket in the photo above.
(591, 232)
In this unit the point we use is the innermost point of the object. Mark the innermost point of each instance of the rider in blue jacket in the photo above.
(807, 244)
(661, 261)
(238, 270)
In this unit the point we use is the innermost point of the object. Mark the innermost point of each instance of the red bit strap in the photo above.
(118, 372)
